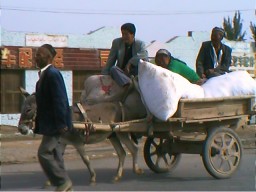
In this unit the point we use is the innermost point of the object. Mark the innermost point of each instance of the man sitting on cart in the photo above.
(214, 57)
(124, 56)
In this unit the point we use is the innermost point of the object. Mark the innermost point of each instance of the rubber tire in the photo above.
(174, 158)
(208, 152)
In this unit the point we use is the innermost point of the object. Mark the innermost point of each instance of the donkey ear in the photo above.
(24, 92)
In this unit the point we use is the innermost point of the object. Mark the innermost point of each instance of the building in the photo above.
(79, 56)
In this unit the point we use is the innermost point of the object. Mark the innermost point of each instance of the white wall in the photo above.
(31, 77)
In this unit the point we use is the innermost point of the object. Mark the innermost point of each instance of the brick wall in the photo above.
(14, 57)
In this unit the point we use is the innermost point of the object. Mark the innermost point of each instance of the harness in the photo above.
(88, 124)
(122, 110)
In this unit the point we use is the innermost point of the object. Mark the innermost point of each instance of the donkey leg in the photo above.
(121, 155)
(77, 141)
(133, 148)
(81, 150)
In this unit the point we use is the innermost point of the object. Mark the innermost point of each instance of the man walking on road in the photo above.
(53, 118)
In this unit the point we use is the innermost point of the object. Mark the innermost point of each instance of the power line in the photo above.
(118, 12)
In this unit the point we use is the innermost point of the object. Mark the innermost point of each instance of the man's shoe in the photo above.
(67, 186)
(47, 184)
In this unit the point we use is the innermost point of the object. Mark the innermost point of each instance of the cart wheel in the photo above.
(157, 157)
(222, 152)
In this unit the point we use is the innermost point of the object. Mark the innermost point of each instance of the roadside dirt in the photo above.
(16, 148)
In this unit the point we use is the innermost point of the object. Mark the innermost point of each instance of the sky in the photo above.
(154, 19)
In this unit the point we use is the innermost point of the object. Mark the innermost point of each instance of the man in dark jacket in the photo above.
(214, 58)
(53, 118)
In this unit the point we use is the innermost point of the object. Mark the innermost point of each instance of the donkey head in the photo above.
(28, 113)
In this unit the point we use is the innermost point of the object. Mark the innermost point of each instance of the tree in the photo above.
(234, 31)
(253, 30)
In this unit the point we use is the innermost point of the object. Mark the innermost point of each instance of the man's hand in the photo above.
(210, 71)
(127, 69)
(201, 81)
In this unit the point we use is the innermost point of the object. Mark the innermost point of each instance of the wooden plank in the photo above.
(217, 99)
(202, 104)
(98, 127)
(215, 119)
(211, 108)
(215, 111)
(139, 125)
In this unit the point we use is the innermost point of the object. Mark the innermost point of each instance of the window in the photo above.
(78, 83)
(11, 99)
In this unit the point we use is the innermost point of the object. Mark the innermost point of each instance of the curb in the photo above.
(247, 143)
(246, 134)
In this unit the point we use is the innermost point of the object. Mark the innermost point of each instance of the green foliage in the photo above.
(253, 30)
(234, 29)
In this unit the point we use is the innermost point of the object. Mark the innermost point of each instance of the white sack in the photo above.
(100, 88)
(236, 83)
(162, 89)
(193, 91)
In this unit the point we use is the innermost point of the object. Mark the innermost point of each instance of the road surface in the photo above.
(190, 175)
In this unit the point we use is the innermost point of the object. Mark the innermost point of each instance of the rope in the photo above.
(88, 123)
(122, 110)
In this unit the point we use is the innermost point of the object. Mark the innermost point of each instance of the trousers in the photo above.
(50, 156)
(119, 76)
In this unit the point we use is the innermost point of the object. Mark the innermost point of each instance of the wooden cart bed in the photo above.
(189, 111)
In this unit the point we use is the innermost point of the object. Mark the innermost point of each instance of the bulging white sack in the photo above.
(161, 89)
(193, 91)
(235, 83)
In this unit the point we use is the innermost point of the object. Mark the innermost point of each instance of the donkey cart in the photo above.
(199, 126)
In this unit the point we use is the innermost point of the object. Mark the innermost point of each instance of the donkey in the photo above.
(108, 112)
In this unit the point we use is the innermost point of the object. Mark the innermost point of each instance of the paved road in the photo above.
(190, 175)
